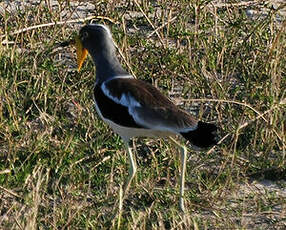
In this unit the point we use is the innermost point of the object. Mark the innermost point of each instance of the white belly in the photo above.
(127, 133)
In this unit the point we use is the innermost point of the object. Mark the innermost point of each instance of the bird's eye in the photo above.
(84, 35)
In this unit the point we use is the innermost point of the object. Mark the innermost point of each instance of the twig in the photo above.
(260, 115)
(10, 192)
(218, 143)
(124, 59)
(256, 118)
(17, 222)
(275, 42)
(99, 163)
(90, 157)
(149, 21)
(5, 171)
(225, 101)
(249, 3)
(160, 27)
(59, 23)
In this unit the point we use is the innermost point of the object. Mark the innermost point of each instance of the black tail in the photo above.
(204, 136)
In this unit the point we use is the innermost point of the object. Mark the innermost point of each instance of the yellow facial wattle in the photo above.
(81, 53)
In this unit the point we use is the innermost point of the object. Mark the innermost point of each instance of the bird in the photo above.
(136, 108)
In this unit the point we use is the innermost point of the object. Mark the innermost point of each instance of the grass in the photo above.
(62, 167)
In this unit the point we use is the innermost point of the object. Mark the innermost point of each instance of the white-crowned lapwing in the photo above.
(133, 107)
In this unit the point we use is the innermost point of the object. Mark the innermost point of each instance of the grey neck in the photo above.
(107, 66)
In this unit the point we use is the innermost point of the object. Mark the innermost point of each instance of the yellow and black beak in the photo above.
(81, 52)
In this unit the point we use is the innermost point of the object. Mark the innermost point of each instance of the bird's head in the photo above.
(95, 39)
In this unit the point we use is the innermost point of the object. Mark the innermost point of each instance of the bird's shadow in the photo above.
(273, 174)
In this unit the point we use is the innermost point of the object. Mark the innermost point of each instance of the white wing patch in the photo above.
(125, 99)
(120, 77)
(145, 117)
(129, 101)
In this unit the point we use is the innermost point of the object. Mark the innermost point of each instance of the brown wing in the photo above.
(148, 106)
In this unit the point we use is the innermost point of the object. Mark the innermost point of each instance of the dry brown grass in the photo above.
(62, 168)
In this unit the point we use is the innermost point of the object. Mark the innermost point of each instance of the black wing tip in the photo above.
(204, 136)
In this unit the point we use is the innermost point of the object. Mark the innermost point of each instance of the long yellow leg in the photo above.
(183, 171)
(132, 168)
(132, 172)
